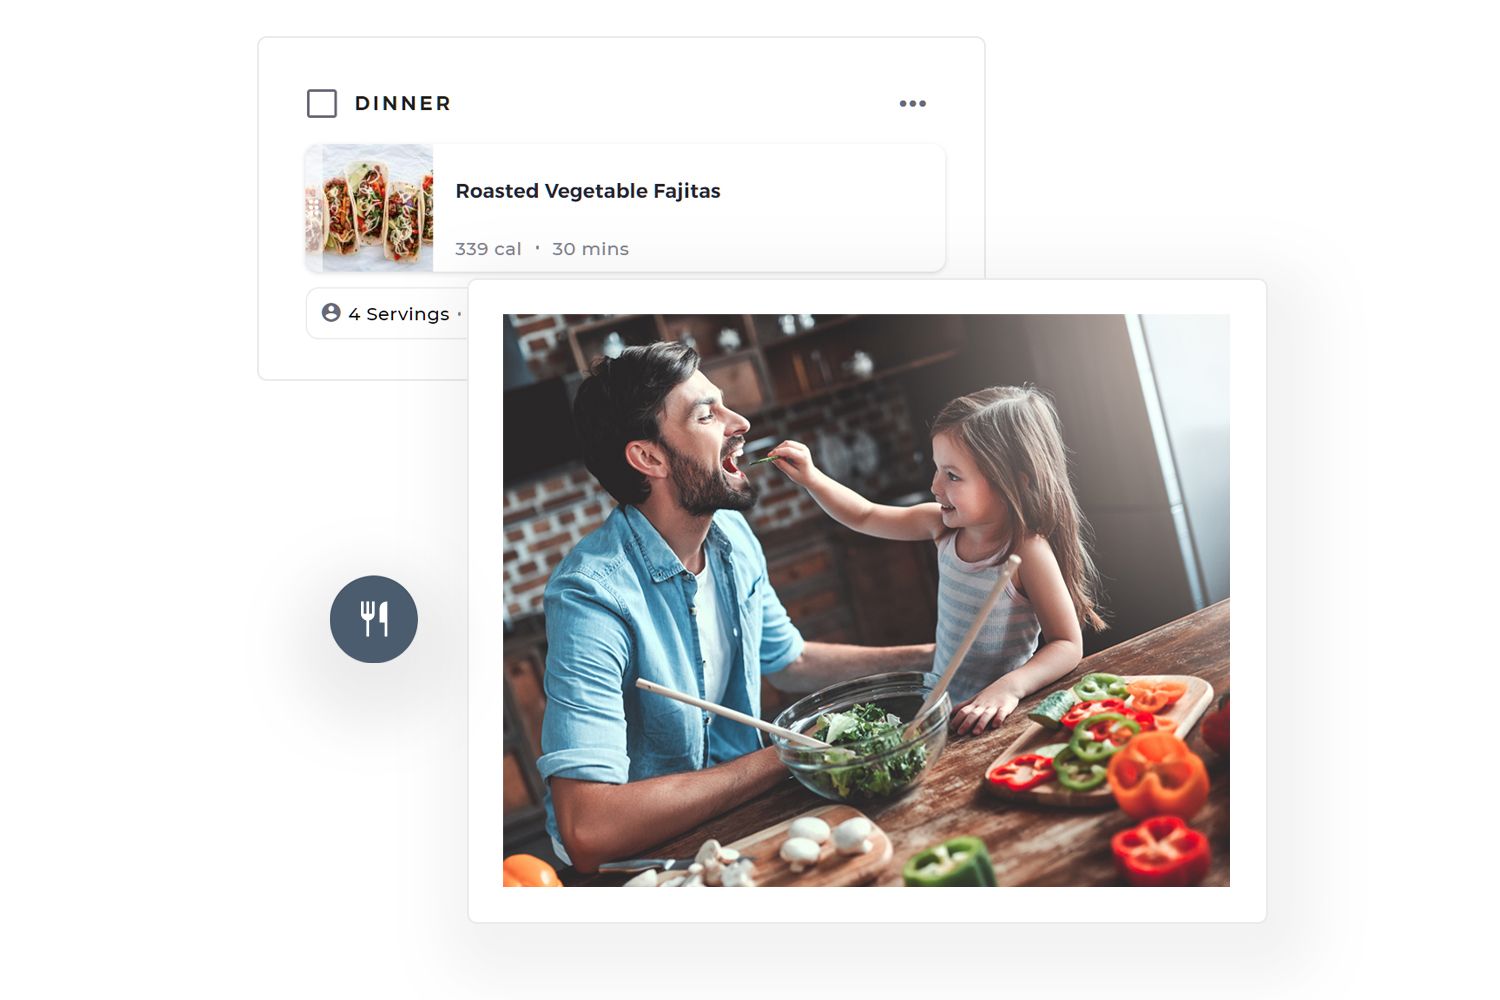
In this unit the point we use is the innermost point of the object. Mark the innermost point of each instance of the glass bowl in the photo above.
(874, 768)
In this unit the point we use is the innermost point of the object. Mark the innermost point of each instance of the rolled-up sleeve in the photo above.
(588, 648)
(780, 642)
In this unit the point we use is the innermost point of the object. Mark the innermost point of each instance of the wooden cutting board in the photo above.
(1186, 712)
(832, 868)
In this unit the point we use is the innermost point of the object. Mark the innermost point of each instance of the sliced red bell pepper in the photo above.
(1023, 772)
(1153, 696)
(1152, 723)
(1161, 851)
(1084, 709)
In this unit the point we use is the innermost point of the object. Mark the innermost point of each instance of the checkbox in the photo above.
(322, 104)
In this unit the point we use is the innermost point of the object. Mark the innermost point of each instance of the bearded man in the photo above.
(673, 588)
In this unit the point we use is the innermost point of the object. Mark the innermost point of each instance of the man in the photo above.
(673, 588)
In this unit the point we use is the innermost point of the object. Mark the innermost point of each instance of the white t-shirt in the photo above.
(713, 635)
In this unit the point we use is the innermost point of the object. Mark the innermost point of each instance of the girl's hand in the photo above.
(986, 710)
(793, 458)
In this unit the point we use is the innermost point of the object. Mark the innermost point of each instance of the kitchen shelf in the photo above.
(836, 387)
(773, 339)
(588, 338)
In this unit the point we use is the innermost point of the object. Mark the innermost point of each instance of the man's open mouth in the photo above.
(729, 466)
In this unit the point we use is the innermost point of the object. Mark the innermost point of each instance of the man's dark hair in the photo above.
(620, 402)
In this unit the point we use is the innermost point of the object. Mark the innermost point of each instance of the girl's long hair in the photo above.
(1015, 437)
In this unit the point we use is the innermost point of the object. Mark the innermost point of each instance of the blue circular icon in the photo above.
(373, 619)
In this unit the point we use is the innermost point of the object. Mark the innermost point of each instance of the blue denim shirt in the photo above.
(619, 607)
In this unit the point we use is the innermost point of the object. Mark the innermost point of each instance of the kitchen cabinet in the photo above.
(893, 589)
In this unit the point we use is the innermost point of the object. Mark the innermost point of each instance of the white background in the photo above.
(201, 797)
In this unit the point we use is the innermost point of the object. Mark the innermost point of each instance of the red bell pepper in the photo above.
(1084, 709)
(1161, 851)
(1023, 772)
(1151, 723)
(1216, 728)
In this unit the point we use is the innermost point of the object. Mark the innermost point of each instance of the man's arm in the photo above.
(601, 822)
(825, 663)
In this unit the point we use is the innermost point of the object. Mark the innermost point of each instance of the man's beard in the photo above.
(702, 491)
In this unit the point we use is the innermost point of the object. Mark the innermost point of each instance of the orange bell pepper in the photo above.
(526, 869)
(1156, 774)
(1153, 696)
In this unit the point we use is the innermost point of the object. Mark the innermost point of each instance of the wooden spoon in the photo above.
(729, 713)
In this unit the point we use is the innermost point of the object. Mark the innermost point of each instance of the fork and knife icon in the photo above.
(368, 613)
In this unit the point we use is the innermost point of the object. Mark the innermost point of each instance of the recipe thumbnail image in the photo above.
(368, 207)
(965, 578)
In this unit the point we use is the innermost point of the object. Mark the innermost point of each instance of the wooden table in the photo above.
(1030, 845)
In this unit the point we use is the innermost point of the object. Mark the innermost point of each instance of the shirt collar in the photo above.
(660, 560)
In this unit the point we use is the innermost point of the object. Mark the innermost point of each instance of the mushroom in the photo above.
(693, 881)
(811, 827)
(646, 879)
(728, 855)
(741, 874)
(852, 836)
(707, 862)
(800, 852)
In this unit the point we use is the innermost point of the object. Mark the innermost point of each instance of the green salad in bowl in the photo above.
(866, 721)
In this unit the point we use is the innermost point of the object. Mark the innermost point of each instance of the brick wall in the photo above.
(544, 343)
(545, 518)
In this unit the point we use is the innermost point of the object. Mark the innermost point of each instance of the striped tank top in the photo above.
(1009, 636)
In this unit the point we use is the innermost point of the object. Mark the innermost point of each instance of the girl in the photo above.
(1001, 486)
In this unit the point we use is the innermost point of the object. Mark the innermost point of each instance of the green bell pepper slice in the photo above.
(1091, 748)
(1093, 687)
(960, 861)
(1075, 774)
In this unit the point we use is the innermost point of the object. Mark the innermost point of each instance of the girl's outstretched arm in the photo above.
(903, 524)
(1042, 581)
